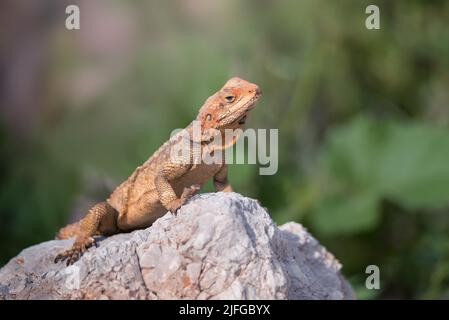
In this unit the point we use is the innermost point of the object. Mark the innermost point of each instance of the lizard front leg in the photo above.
(86, 229)
(221, 181)
(167, 196)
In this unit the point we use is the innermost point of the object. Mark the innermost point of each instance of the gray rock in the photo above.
(219, 246)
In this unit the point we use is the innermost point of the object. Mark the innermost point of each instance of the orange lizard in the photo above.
(165, 182)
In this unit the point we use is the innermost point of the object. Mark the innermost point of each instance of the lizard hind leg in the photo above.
(101, 219)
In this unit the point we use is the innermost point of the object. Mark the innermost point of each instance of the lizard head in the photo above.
(229, 107)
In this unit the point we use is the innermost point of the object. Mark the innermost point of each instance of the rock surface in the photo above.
(219, 246)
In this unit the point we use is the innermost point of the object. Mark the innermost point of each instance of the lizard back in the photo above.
(141, 181)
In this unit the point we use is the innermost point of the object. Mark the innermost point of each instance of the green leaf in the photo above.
(415, 166)
(337, 215)
(367, 161)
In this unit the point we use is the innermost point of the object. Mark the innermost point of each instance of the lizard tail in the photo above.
(70, 231)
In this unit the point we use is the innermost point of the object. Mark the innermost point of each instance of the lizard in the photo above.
(165, 182)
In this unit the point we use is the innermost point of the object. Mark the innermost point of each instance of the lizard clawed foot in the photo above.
(187, 193)
(73, 254)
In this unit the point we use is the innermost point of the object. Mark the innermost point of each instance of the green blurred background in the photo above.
(363, 117)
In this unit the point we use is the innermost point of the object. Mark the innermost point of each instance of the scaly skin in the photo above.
(165, 182)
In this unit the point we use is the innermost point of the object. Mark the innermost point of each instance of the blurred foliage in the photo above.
(363, 121)
(365, 162)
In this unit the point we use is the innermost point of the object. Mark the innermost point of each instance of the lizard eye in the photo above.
(229, 98)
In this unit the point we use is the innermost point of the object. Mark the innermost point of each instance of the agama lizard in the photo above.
(165, 182)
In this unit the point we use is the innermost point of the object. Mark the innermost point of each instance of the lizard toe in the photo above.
(174, 206)
(74, 254)
(60, 257)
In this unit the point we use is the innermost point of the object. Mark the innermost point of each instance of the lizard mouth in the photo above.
(252, 103)
(249, 106)
(243, 119)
